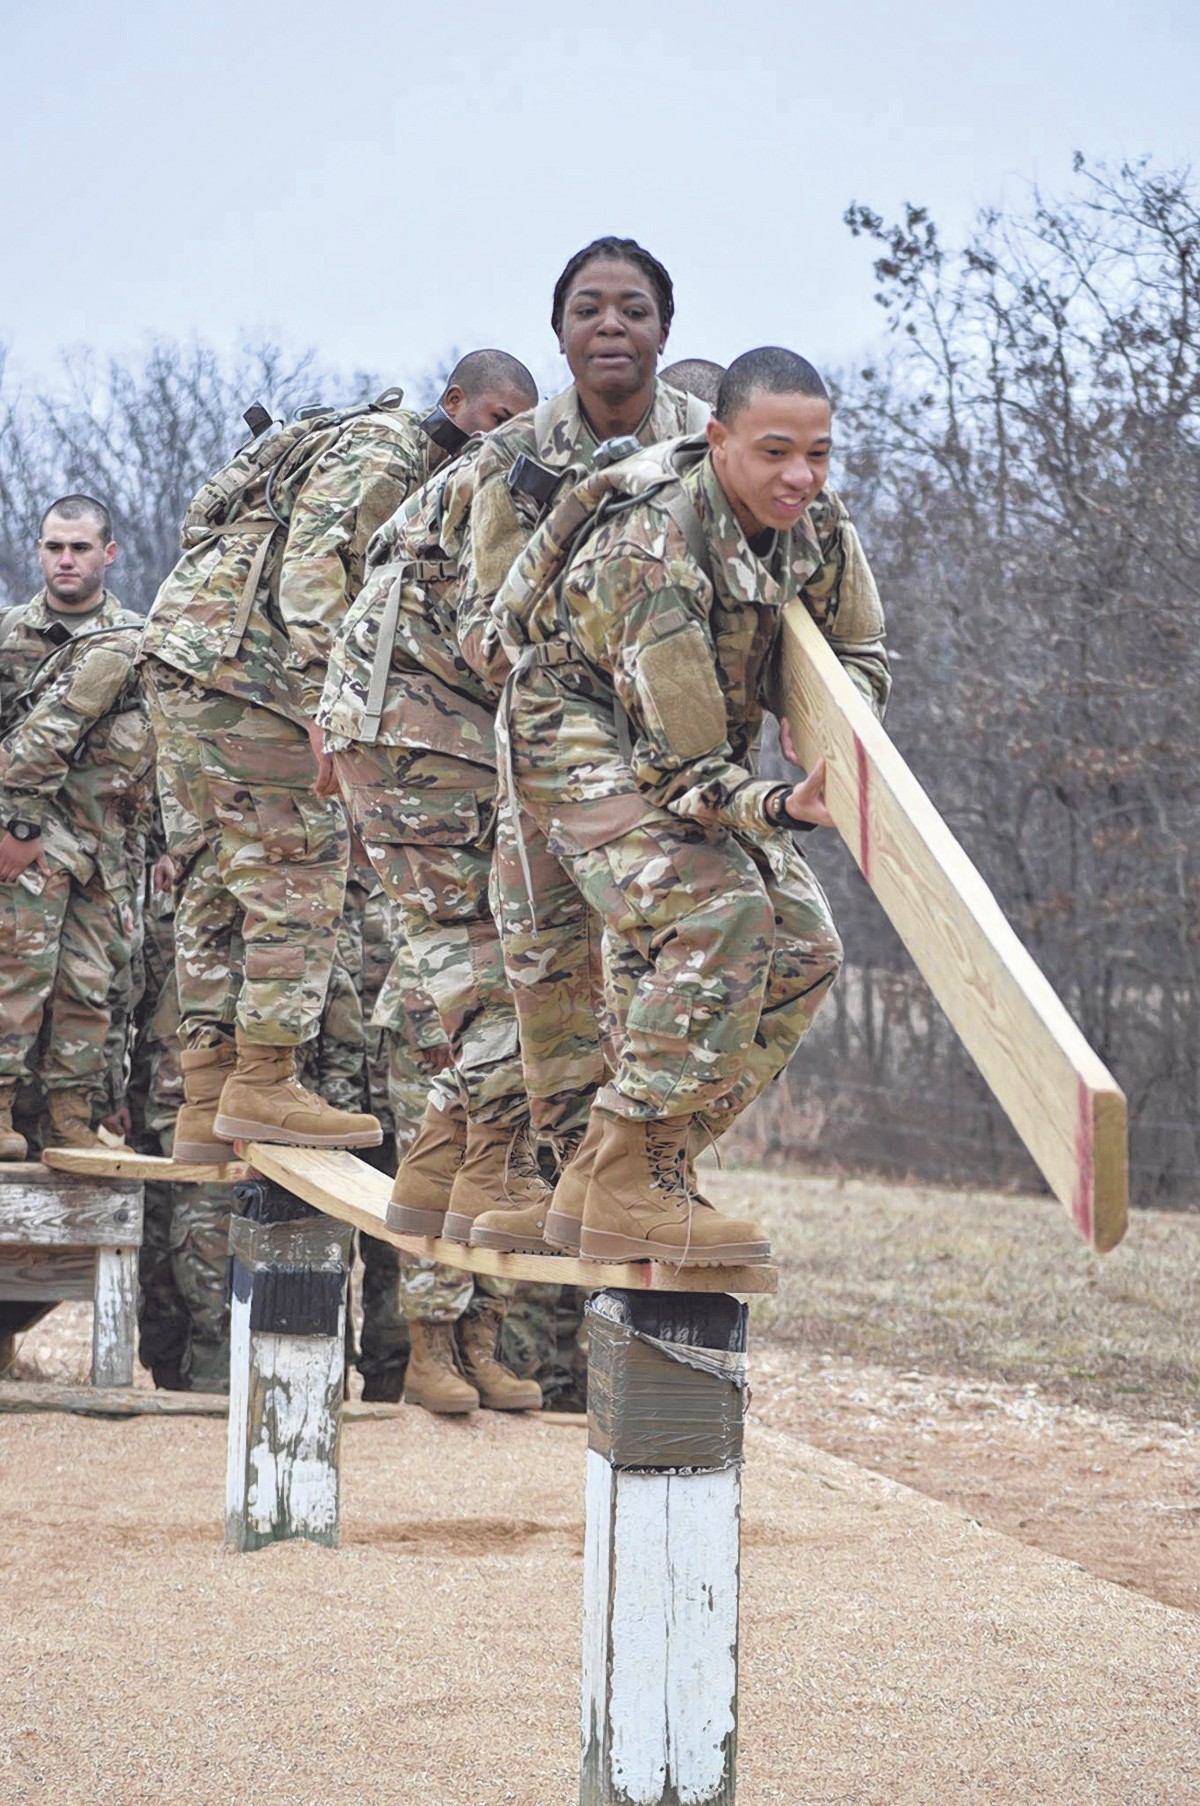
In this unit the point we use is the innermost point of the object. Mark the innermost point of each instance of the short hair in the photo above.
(627, 250)
(74, 507)
(697, 376)
(480, 371)
(770, 369)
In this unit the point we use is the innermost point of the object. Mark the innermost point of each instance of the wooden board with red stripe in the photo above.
(1059, 1096)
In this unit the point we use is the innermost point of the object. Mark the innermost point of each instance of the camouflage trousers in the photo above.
(64, 952)
(719, 954)
(426, 820)
(272, 871)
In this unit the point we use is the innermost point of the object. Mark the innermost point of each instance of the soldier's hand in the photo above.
(163, 877)
(16, 856)
(807, 801)
(119, 1122)
(326, 783)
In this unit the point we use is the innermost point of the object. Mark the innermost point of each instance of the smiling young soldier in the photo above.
(653, 649)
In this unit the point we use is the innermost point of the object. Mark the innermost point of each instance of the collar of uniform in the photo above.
(739, 572)
(39, 615)
(570, 430)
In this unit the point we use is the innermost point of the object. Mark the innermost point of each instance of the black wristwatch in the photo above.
(20, 829)
(775, 808)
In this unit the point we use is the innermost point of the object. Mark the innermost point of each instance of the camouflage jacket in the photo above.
(556, 435)
(396, 676)
(76, 747)
(337, 487)
(690, 655)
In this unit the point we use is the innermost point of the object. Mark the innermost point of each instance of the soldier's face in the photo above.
(773, 458)
(611, 333)
(74, 558)
(484, 412)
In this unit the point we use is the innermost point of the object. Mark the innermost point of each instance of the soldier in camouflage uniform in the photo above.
(411, 730)
(76, 764)
(238, 640)
(646, 653)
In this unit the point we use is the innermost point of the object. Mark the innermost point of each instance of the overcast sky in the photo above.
(385, 182)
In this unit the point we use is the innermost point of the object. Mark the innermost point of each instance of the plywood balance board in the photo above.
(334, 1181)
(1059, 1096)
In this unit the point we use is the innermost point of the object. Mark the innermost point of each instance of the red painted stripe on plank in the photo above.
(864, 808)
(1082, 1203)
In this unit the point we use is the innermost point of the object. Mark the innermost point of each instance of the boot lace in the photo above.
(670, 1171)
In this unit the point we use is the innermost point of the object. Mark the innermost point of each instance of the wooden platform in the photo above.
(63, 1238)
(344, 1187)
(124, 1163)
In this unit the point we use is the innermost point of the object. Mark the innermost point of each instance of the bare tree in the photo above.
(1026, 465)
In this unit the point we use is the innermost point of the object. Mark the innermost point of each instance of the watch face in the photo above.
(23, 830)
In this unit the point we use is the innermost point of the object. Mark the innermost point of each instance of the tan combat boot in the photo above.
(205, 1070)
(564, 1219)
(70, 1115)
(499, 1389)
(262, 1100)
(12, 1145)
(426, 1175)
(433, 1379)
(642, 1205)
(499, 1176)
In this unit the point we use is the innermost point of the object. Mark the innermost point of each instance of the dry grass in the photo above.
(982, 1283)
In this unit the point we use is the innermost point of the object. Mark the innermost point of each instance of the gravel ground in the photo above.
(892, 1649)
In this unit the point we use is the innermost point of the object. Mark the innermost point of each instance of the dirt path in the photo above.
(1120, 1497)
(893, 1652)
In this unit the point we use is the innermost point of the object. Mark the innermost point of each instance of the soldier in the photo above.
(410, 725)
(237, 644)
(76, 763)
(634, 723)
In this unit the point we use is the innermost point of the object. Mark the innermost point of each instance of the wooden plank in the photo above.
(22, 1396)
(114, 1316)
(119, 1163)
(336, 1182)
(41, 1209)
(50, 1273)
(1059, 1096)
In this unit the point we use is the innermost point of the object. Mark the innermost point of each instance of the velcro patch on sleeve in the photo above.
(497, 536)
(98, 682)
(677, 682)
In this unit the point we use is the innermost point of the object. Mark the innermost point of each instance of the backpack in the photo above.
(526, 607)
(253, 495)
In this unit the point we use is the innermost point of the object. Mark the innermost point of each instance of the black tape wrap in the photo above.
(666, 1379)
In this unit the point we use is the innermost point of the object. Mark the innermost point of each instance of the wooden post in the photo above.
(114, 1316)
(286, 1369)
(660, 1601)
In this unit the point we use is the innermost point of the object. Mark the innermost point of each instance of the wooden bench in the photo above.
(64, 1237)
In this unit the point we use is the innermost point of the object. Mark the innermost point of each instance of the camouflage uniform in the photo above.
(233, 676)
(558, 979)
(77, 755)
(662, 829)
(418, 770)
(183, 1314)
(415, 1053)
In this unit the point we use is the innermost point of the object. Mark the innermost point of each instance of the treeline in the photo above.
(1025, 468)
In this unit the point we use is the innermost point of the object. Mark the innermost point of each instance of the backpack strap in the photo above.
(423, 570)
(241, 620)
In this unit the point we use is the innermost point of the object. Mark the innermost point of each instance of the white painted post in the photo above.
(286, 1369)
(666, 1378)
(114, 1316)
